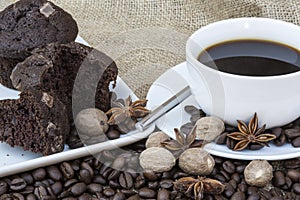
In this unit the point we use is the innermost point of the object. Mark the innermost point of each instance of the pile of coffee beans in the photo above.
(119, 177)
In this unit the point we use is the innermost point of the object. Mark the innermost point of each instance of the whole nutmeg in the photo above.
(91, 122)
(157, 159)
(209, 128)
(258, 173)
(196, 161)
(155, 139)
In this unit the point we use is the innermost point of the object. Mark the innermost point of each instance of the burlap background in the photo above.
(146, 37)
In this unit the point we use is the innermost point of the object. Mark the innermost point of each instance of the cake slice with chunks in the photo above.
(37, 121)
(72, 71)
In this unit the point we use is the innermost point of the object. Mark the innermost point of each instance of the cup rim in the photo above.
(191, 58)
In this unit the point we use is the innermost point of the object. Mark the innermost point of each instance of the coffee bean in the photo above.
(65, 194)
(163, 194)
(294, 175)
(27, 177)
(153, 185)
(67, 170)
(126, 180)
(242, 187)
(186, 128)
(229, 191)
(40, 192)
(78, 189)
(254, 197)
(194, 118)
(277, 131)
(276, 198)
(179, 175)
(233, 183)
(57, 188)
(236, 177)
(222, 138)
(70, 182)
(296, 188)
(265, 194)
(27, 190)
(86, 196)
(238, 196)
(225, 174)
(288, 183)
(3, 187)
(86, 166)
(113, 134)
(128, 193)
(220, 178)
(134, 163)
(85, 176)
(150, 175)
(189, 109)
(107, 172)
(69, 198)
(292, 133)
(18, 184)
(113, 175)
(292, 163)
(253, 146)
(147, 193)
(281, 140)
(229, 167)
(166, 183)
(12, 196)
(252, 190)
(99, 179)
(276, 192)
(94, 188)
(240, 169)
(119, 196)
(230, 143)
(54, 173)
(109, 192)
(134, 197)
(74, 141)
(39, 174)
(114, 184)
(30, 197)
(296, 142)
(278, 179)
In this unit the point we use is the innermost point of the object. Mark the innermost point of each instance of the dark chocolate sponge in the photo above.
(6, 67)
(33, 23)
(37, 121)
(55, 68)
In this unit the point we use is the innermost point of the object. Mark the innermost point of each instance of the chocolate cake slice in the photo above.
(6, 67)
(37, 121)
(27, 24)
(55, 68)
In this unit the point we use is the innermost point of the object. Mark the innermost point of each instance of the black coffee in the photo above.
(252, 58)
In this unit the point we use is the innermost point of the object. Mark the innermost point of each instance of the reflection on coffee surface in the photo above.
(252, 58)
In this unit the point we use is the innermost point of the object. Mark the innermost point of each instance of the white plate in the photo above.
(15, 160)
(173, 81)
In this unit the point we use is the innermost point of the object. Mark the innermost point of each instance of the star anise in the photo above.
(250, 134)
(121, 112)
(198, 187)
(182, 142)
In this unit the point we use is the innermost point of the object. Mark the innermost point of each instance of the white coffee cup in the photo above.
(275, 99)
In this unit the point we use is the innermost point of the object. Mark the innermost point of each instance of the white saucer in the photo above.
(173, 81)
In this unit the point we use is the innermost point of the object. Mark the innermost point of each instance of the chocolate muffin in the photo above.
(33, 23)
(37, 121)
(6, 67)
(55, 68)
